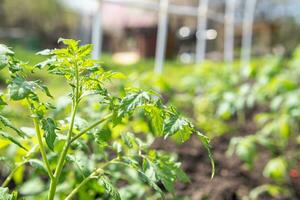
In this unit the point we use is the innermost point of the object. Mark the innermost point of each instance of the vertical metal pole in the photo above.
(85, 28)
(97, 32)
(229, 31)
(162, 31)
(247, 32)
(201, 31)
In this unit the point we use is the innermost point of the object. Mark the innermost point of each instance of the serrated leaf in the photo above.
(103, 135)
(165, 170)
(85, 50)
(72, 44)
(45, 63)
(82, 169)
(49, 126)
(132, 101)
(4, 50)
(177, 125)
(109, 188)
(45, 52)
(19, 88)
(129, 140)
(151, 183)
(12, 139)
(7, 123)
(3, 61)
(145, 172)
(157, 118)
(5, 195)
(44, 88)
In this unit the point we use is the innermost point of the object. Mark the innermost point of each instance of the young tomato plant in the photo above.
(57, 140)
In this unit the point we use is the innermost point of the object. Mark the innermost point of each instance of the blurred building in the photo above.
(134, 29)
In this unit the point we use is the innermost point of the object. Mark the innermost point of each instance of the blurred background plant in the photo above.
(251, 111)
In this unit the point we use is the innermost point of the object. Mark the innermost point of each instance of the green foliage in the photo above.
(49, 126)
(258, 106)
(94, 143)
(5, 195)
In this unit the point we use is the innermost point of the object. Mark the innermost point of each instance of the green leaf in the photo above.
(80, 162)
(5, 195)
(276, 169)
(49, 126)
(206, 143)
(161, 167)
(104, 134)
(131, 101)
(129, 140)
(85, 50)
(151, 183)
(276, 191)
(146, 172)
(109, 188)
(2, 102)
(37, 164)
(4, 50)
(44, 88)
(12, 139)
(156, 115)
(177, 125)
(45, 63)
(7, 123)
(72, 44)
(19, 88)
(3, 61)
(32, 187)
(45, 52)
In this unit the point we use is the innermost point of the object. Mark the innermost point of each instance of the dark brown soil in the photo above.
(232, 180)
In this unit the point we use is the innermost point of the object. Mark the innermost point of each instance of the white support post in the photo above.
(201, 31)
(97, 32)
(229, 31)
(162, 31)
(247, 32)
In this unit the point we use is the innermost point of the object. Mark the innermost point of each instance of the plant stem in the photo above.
(85, 181)
(64, 152)
(42, 148)
(40, 141)
(10, 176)
(98, 172)
(90, 127)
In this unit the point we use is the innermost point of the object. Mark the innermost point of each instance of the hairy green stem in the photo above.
(40, 141)
(10, 176)
(41, 145)
(85, 181)
(18, 165)
(98, 172)
(66, 147)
